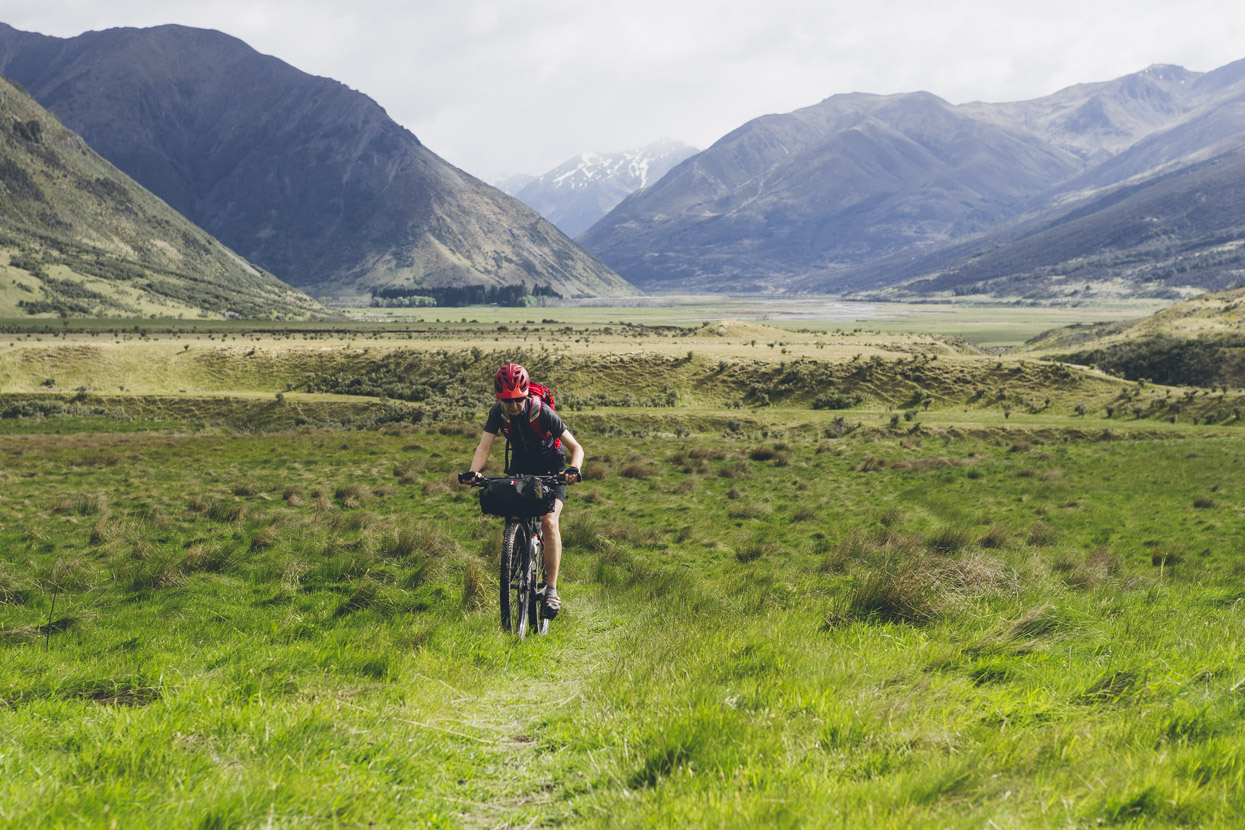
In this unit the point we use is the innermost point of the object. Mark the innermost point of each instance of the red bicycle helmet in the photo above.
(510, 382)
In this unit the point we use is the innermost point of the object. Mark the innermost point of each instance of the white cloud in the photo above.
(503, 86)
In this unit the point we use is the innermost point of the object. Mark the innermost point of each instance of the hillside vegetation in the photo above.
(78, 237)
(721, 376)
(1200, 342)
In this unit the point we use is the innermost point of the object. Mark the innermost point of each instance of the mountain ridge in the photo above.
(907, 193)
(298, 173)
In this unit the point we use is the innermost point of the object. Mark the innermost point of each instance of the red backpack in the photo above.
(541, 396)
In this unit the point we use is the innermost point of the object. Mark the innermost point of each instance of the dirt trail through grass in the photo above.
(523, 773)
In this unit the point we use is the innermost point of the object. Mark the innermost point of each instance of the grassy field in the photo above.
(990, 325)
(956, 601)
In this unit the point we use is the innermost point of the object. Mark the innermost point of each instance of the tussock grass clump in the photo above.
(227, 512)
(870, 464)
(903, 594)
(595, 470)
(212, 558)
(264, 538)
(293, 496)
(753, 550)
(1089, 573)
(1167, 556)
(14, 590)
(364, 596)
(979, 574)
(247, 490)
(408, 471)
(1111, 687)
(158, 571)
(352, 496)
(82, 504)
(425, 539)
(803, 513)
(341, 520)
(995, 538)
(585, 532)
(948, 540)
(749, 510)
(854, 547)
(1042, 535)
(637, 469)
(107, 531)
(475, 585)
(1037, 622)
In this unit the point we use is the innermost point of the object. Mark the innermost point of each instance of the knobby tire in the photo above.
(511, 553)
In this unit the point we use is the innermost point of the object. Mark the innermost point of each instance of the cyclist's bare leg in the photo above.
(553, 543)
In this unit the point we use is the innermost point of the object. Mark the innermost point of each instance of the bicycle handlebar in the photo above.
(481, 480)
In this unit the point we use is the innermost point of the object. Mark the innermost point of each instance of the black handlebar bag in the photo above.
(516, 496)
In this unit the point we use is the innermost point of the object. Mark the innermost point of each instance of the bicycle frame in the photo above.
(528, 577)
(522, 570)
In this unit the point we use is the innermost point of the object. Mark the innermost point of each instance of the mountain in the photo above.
(81, 238)
(854, 178)
(577, 193)
(1128, 183)
(300, 174)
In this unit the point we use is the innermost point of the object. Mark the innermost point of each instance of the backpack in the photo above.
(541, 396)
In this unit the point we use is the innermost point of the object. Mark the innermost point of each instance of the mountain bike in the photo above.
(521, 500)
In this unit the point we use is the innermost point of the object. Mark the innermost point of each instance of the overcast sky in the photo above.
(499, 87)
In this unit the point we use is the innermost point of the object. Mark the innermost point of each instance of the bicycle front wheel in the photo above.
(512, 543)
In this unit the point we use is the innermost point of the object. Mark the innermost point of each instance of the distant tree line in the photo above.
(461, 295)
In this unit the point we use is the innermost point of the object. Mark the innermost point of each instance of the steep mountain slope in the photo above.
(577, 193)
(852, 179)
(300, 174)
(1168, 235)
(79, 237)
(1129, 182)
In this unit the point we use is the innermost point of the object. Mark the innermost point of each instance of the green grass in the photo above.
(775, 628)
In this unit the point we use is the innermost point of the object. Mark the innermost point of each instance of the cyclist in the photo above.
(535, 452)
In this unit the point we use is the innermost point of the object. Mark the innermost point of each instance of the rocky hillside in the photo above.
(308, 178)
(79, 237)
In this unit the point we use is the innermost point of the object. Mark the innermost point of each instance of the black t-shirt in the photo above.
(534, 450)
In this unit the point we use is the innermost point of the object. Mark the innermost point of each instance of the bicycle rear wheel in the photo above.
(512, 544)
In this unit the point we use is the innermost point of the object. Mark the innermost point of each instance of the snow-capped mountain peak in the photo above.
(578, 192)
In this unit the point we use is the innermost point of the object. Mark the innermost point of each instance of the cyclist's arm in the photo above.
(482, 451)
(577, 452)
